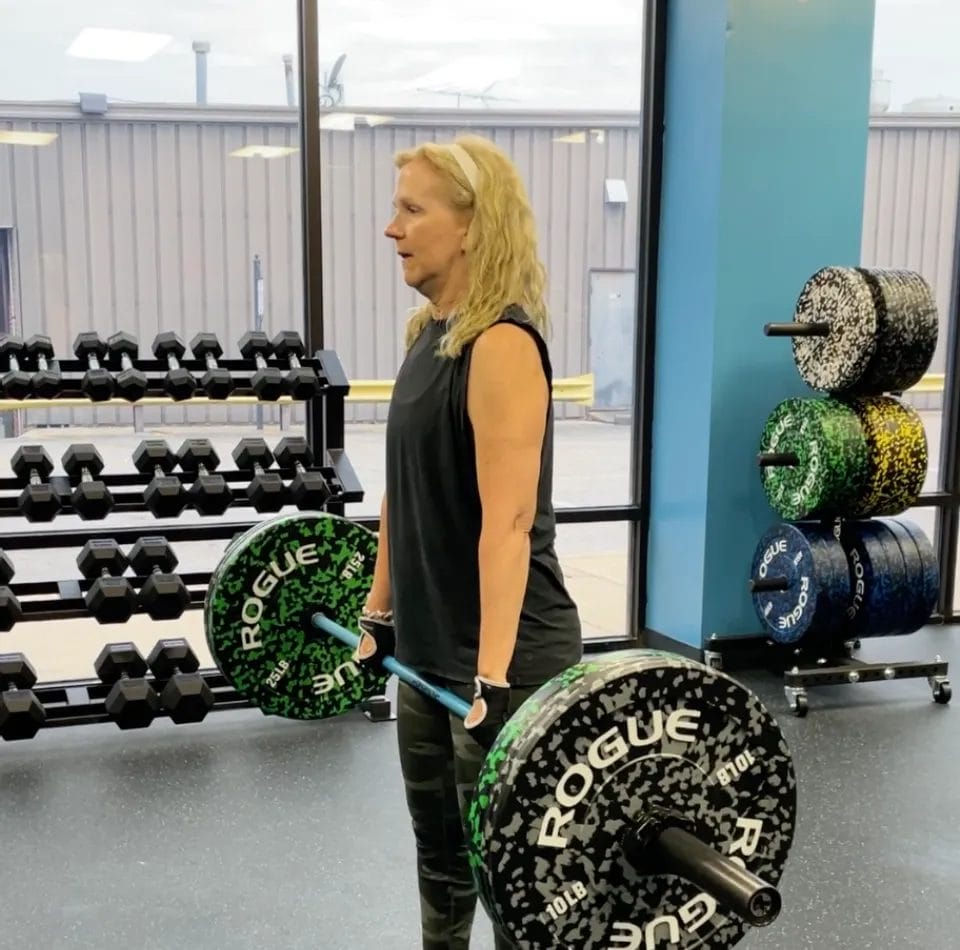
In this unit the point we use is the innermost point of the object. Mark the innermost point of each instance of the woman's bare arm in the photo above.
(507, 402)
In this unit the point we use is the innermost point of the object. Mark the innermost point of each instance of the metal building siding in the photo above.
(150, 226)
(366, 301)
(910, 209)
(144, 222)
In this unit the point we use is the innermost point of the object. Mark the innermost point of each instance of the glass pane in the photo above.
(148, 53)
(591, 464)
(560, 93)
(593, 556)
(912, 174)
(594, 562)
(149, 181)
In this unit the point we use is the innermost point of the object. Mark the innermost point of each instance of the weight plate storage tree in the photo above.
(842, 468)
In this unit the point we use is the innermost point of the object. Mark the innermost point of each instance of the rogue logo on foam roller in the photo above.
(607, 749)
(265, 585)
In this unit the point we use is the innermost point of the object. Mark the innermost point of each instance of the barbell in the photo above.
(635, 799)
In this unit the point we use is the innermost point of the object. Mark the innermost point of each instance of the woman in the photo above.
(467, 588)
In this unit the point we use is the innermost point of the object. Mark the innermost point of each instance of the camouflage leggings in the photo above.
(440, 763)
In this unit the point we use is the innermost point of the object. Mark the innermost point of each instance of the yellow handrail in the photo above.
(572, 389)
(931, 383)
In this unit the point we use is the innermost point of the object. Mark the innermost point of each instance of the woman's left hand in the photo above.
(489, 712)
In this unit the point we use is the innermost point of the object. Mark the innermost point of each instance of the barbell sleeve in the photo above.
(797, 328)
(452, 701)
(676, 851)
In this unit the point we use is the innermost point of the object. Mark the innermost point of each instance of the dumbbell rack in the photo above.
(81, 701)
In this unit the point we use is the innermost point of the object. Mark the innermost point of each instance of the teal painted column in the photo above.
(767, 116)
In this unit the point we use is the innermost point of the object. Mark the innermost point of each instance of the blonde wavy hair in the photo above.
(503, 262)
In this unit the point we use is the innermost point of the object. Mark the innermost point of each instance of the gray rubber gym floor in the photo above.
(248, 832)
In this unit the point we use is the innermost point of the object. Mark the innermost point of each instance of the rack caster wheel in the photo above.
(942, 693)
(713, 659)
(797, 700)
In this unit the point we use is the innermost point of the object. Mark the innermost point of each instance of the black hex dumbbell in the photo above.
(11, 613)
(32, 466)
(187, 696)
(97, 382)
(21, 713)
(209, 492)
(163, 595)
(111, 598)
(91, 498)
(267, 382)
(16, 383)
(266, 489)
(132, 702)
(217, 382)
(46, 379)
(165, 496)
(179, 382)
(309, 491)
(131, 383)
(302, 381)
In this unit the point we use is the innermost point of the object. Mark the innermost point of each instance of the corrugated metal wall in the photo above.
(145, 226)
(145, 222)
(910, 207)
(366, 301)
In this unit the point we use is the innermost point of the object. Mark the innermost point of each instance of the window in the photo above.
(560, 92)
(910, 210)
(150, 180)
(595, 568)
(149, 171)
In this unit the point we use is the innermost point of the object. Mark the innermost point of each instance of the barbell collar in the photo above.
(664, 843)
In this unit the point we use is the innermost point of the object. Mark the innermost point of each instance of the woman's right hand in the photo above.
(377, 639)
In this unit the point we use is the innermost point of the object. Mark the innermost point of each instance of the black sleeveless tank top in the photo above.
(434, 519)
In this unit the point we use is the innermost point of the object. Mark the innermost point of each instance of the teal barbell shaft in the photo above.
(452, 701)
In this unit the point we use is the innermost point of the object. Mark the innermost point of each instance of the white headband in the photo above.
(467, 165)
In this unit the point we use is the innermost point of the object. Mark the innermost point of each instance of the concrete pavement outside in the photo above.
(592, 468)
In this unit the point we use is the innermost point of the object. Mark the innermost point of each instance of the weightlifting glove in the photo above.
(489, 712)
(377, 640)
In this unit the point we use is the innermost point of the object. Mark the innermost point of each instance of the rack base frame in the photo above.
(803, 670)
